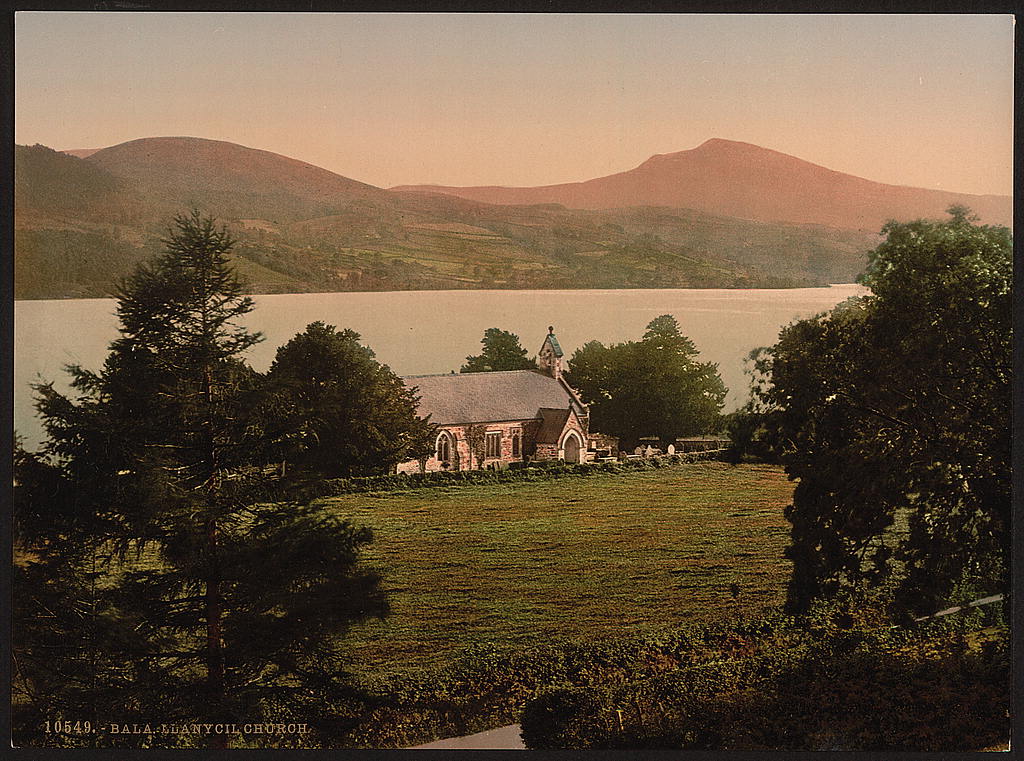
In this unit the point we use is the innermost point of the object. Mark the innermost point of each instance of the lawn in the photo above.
(527, 563)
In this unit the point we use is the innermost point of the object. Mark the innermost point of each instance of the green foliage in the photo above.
(72, 263)
(490, 685)
(765, 683)
(502, 351)
(51, 180)
(181, 594)
(898, 403)
(749, 434)
(809, 684)
(563, 718)
(476, 438)
(751, 429)
(652, 387)
(346, 413)
(538, 471)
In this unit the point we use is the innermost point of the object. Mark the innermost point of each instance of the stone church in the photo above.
(523, 416)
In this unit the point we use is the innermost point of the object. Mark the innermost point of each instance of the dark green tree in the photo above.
(502, 351)
(651, 387)
(476, 440)
(896, 407)
(350, 414)
(186, 593)
(750, 429)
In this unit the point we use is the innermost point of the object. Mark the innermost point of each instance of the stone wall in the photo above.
(461, 459)
(547, 452)
(528, 448)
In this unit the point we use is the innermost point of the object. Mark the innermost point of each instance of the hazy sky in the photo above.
(531, 99)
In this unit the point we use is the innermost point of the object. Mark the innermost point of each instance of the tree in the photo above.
(750, 429)
(476, 439)
(502, 351)
(896, 406)
(190, 595)
(351, 415)
(651, 387)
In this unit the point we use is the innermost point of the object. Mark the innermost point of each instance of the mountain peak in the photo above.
(716, 148)
(718, 143)
(735, 179)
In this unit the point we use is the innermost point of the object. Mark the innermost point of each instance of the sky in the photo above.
(531, 99)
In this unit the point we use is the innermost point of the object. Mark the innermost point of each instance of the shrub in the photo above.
(821, 686)
(534, 471)
(565, 717)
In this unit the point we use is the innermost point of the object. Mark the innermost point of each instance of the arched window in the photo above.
(515, 445)
(444, 448)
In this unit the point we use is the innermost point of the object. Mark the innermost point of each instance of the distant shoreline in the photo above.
(112, 297)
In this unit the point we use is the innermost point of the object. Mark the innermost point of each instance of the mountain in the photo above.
(83, 224)
(80, 153)
(735, 179)
(54, 180)
(230, 180)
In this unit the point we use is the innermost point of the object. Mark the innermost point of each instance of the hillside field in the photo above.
(83, 224)
(524, 564)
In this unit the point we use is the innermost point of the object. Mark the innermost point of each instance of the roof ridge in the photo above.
(492, 396)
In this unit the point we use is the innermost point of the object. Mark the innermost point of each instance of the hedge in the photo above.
(539, 471)
(924, 688)
(490, 686)
(684, 669)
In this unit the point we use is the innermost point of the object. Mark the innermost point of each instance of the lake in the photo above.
(422, 332)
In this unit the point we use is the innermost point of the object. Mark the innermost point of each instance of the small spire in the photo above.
(551, 330)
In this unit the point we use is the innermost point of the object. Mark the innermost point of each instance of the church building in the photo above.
(512, 415)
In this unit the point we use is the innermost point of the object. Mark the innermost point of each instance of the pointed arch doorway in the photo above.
(572, 447)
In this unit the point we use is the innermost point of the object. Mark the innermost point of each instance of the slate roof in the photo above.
(487, 397)
(554, 345)
(552, 423)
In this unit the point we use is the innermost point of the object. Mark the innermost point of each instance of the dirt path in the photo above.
(502, 738)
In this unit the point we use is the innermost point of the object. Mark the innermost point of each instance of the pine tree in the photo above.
(215, 604)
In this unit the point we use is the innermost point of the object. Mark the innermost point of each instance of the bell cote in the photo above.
(550, 356)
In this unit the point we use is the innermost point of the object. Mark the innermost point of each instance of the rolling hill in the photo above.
(80, 153)
(81, 224)
(230, 180)
(734, 179)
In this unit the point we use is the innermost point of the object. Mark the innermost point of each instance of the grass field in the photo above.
(572, 559)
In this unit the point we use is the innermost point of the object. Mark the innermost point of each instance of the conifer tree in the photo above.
(149, 501)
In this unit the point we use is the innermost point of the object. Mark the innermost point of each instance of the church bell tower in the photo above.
(550, 356)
